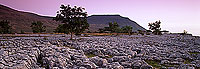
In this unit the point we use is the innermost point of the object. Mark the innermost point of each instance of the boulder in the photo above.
(187, 66)
(164, 62)
(89, 65)
(146, 66)
(120, 58)
(114, 65)
(126, 64)
(98, 61)
(175, 55)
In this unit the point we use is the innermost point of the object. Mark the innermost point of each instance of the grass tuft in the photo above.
(154, 63)
(157, 65)
(194, 52)
(69, 47)
(90, 55)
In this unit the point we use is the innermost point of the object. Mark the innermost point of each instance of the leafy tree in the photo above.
(185, 32)
(75, 19)
(155, 27)
(127, 29)
(38, 27)
(117, 30)
(5, 28)
(113, 28)
(61, 29)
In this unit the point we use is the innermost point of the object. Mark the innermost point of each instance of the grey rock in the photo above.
(126, 64)
(90, 65)
(114, 65)
(165, 62)
(98, 61)
(145, 66)
(187, 66)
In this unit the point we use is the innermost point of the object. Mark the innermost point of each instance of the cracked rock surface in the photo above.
(96, 52)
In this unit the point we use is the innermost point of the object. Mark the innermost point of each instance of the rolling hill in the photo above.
(100, 21)
(20, 20)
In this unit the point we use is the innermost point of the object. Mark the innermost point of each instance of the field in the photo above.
(99, 50)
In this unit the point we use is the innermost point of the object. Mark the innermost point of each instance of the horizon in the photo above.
(175, 15)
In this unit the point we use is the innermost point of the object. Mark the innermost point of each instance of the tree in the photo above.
(127, 29)
(113, 28)
(155, 27)
(5, 28)
(61, 29)
(185, 32)
(38, 27)
(75, 19)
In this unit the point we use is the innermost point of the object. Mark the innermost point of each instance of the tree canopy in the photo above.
(61, 29)
(5, 28)
(127, 29)
(155, 27)
(38, 27)
(113, 28)
(75, 19)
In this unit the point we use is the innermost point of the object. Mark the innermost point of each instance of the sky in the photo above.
(175, 15)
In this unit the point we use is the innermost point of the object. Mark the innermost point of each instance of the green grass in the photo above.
(170, 65)
(194, 52)
(69, 47)
(109, 56)
(157, 65)
(153, 63)
(90, 55)
(187, 61)
(3, 40)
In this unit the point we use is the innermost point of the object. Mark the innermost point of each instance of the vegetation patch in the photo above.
(154, 63)
(194, 52)
(70, 47)
(109, 56)
(170, 65)
(3, 40)
(187, 61)
(89, 55)
(105, 34)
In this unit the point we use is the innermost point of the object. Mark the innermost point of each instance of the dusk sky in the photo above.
(175, 15)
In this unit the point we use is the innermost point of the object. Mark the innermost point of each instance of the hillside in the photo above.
(22, 20)
(100, 21)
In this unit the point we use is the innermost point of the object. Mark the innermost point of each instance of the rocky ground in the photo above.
(97, 52)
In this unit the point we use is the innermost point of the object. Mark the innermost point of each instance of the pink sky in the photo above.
(175, 15)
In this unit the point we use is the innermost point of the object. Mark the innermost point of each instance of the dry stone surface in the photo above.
(100, 52)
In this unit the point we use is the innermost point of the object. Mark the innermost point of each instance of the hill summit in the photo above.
(100, 21)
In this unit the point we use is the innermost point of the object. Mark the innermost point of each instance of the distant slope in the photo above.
(101, 21)
(22, 20)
